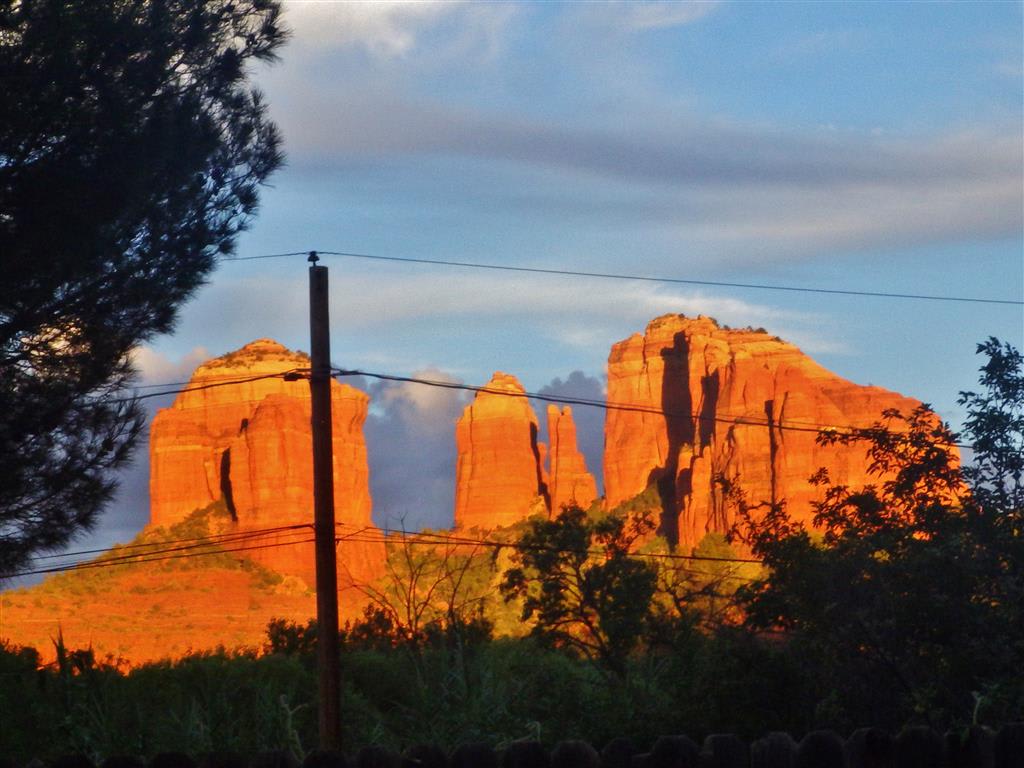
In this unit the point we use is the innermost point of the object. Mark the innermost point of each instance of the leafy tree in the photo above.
(580, 584)
(131, 149)
(701, 591)
(908, 598)
(431, 586)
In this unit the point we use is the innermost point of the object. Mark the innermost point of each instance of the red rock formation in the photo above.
(498, 473)
(187, 441)
(716, 401)
(569, 482)
(248, 442)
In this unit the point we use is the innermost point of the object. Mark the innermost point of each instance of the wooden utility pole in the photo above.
(328, 660)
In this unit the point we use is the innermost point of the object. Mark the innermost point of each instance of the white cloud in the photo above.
(576, 313)
(635, 16)
(388, 30)
(426, 401)
(157, 368)
(791, 193)
(665, 13)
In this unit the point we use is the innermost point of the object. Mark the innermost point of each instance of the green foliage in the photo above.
(131, 151)
(911, 603)
(580, 585)
(432, 587)
(699, 592)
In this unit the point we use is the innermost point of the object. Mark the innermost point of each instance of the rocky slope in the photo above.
(739, 404)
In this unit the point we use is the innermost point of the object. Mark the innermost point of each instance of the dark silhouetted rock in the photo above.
(1009, 746)
(223, 760)
(820, 749)
(476, 754)
(573, 753)
(424, 756)
(527, 753)
(918, 747)
(776, 750)
(618, 753)
(725, 750)
(674, 752)
(73, 761)
(172, 760)
(277, 758)
(869, 748)
(374, 756)
(326, 758)
(972, 748)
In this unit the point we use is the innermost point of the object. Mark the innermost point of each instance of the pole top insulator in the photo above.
(313, 258)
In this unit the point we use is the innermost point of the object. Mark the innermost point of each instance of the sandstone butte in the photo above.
(240, 433)
(502, 472)
(724, 401)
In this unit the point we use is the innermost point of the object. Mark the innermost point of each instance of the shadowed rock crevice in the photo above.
(754, 396)
(225, 484)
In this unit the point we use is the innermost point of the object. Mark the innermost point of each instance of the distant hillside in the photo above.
(134, 606)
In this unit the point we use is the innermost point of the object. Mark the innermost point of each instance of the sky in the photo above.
(853, 146)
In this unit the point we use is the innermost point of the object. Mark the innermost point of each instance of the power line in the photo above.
(792, 426)
(265, 256)
(212, 385)
(848, 431)
(212, 539)
(642, 278)
(140, 557)
(588, 552)
(212, 546)
(143, 558)
(436, 537)
(233, 379)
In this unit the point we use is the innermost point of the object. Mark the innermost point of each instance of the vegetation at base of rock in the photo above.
(910, 600)
(134, 557)
(581, 585)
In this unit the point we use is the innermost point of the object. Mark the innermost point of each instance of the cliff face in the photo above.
(498, 470)
(503, 474)
(569, 483)
(248, 442)
(702, 380)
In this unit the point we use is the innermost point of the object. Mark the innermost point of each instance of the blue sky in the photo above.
(867, 146)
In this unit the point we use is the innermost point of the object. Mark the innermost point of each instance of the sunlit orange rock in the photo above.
(737, 404)
(187, 441)
(241, 433)
(498, 471)
(569, 481)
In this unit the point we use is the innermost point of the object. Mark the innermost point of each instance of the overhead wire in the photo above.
(843, 430)
(789, 425)
(175, 553)
(227, 379)
(211, 385)
(211, 538)
(638, 278)
(437, 537)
